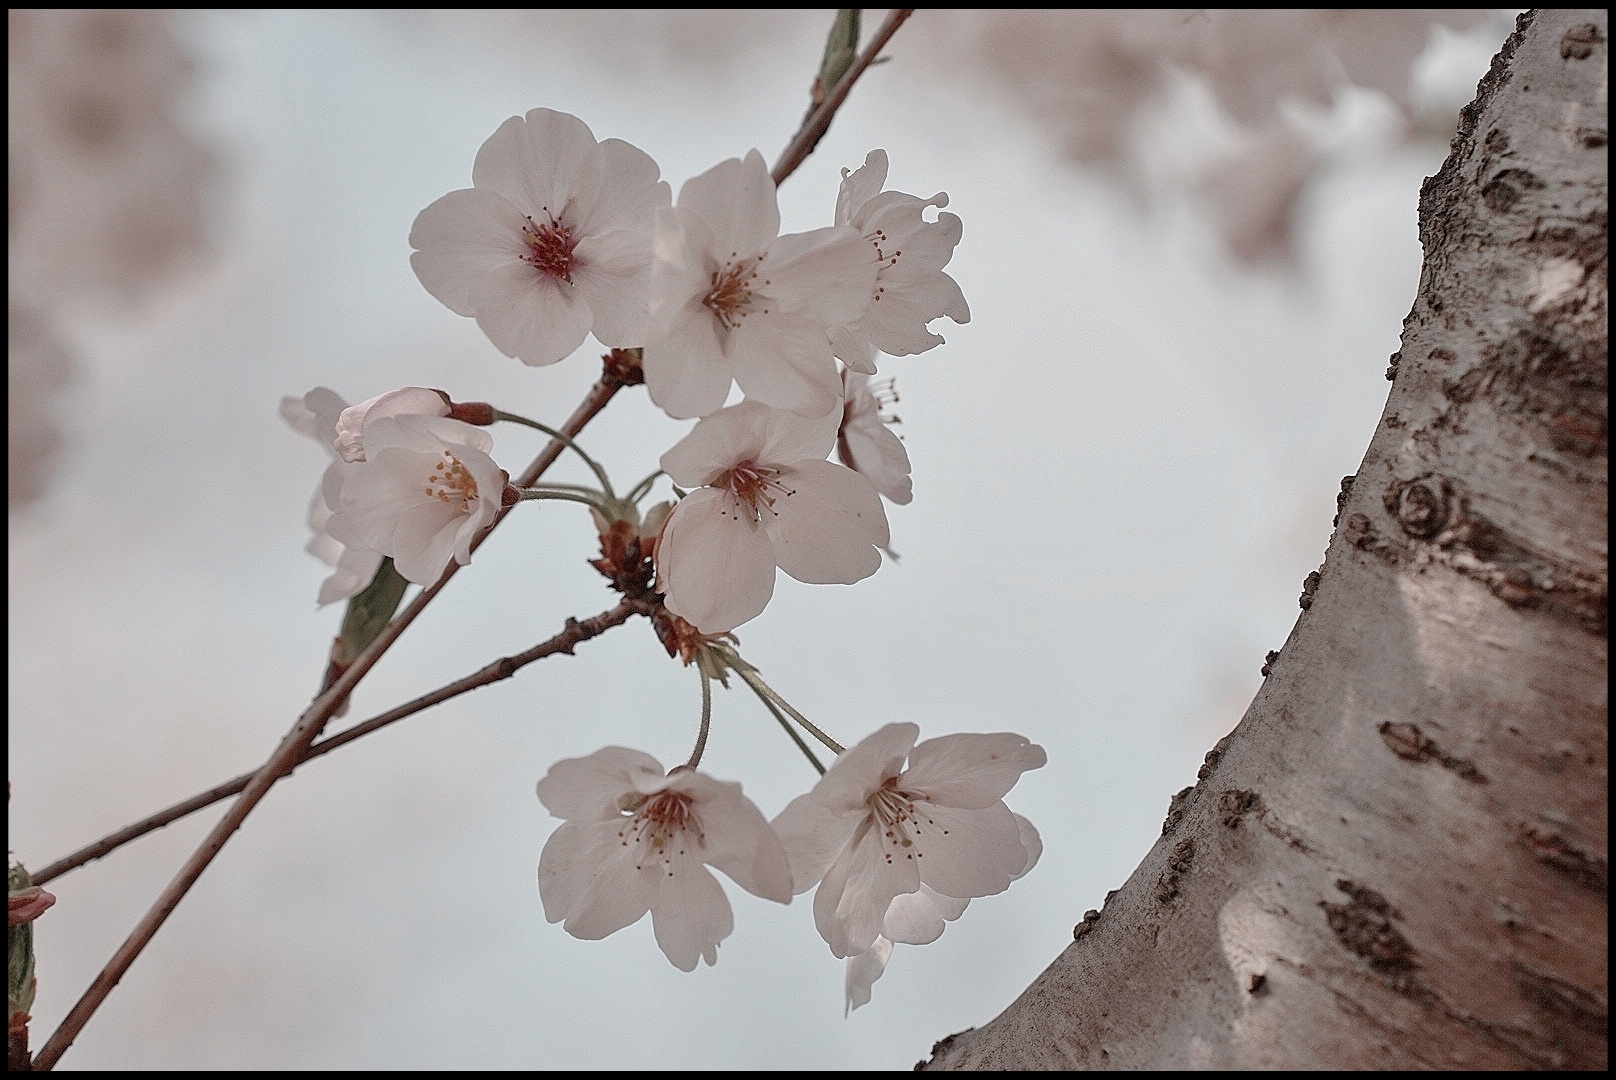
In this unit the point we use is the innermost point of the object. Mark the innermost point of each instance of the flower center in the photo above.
(899, 818)
(658, 827)
(753, 488)
(733, 294)
(549, 247)
(451, 482)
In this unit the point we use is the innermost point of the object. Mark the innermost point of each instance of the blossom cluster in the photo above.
(561, 237)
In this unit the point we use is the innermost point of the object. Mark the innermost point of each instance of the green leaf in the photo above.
(19, 952)
(371, 610)
(841, 47)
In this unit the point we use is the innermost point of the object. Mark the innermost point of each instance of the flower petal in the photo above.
(827, 530)
(691, 914)
(969, 853)
(715, 565)
(862, 971)
(968, 770)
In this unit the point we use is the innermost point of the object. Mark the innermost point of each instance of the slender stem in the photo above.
(289, 752)
(643, 488)
(594, 466)
(791, 731)
(706, 717)
(537, 494)
(576, 631)
(818, 122)
(762, 689)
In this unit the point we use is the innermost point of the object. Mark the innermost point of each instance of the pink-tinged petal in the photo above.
(461, 238)
(827, 529)
(970, 771)
(1031, 841)
(738, 201)
(859, 888)
(686, 371)
(589, 787)
(860, 186)
(790, 437)
(592, 880)
(812, 834)
(856, 774)
(353, 569)
(853, 349)
(920, 917)
(862, 971)
(691, 914)
(785, 362)
(715, 565)
(535, 161)
(825, 275)
(613, 276)
(920, 247)
(629, 195)
(968, 853)
(424, 542)
(718, 443)
(898, 324)
(534, 318)
(736, 837)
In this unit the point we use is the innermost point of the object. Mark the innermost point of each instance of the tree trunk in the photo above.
(1398, 859)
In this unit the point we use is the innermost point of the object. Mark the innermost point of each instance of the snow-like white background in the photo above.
(1124, 466)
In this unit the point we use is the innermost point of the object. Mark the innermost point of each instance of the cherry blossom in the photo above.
(426, 489)
(766, 498)
(871, 830)
(552, 241)
(866, 443)
(917, 918)
(733, 300)
(910, 252)
(635, 840)
(315, 415)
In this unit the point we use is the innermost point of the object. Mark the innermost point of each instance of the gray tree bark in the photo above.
(1398, 859)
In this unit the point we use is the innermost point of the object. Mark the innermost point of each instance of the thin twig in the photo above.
(818, 122)
(291, 750)
(577, 631)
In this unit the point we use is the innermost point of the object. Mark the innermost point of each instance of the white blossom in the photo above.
(409, 401)
(552, 241)
(765, 497)
(733, 300)
(871, 830)
(636, 840)
(426, 489)
(910, 252)
(315, 415)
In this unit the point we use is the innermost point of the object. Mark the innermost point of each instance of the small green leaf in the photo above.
(19, 952)
(841, 47)
(371, 610)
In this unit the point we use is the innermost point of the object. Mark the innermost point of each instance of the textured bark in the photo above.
(1398, 859)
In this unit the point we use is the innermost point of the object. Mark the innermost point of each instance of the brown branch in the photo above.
(287, 755)
(818, 122)
(577, 631)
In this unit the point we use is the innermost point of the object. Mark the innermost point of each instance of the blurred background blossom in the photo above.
(1189, 242)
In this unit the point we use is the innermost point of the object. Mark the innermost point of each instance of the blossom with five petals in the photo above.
(917, 918)
(766, 498)
(732, 299)
(552, 241)
(426, 489)
(871, 830)
(911, 288)
(315, 415)
(636, 840)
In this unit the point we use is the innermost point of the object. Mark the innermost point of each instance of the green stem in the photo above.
(643, 488)
(594, 466)
(780, 716)
(763, 689)
(706, 717)
(535, 493)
